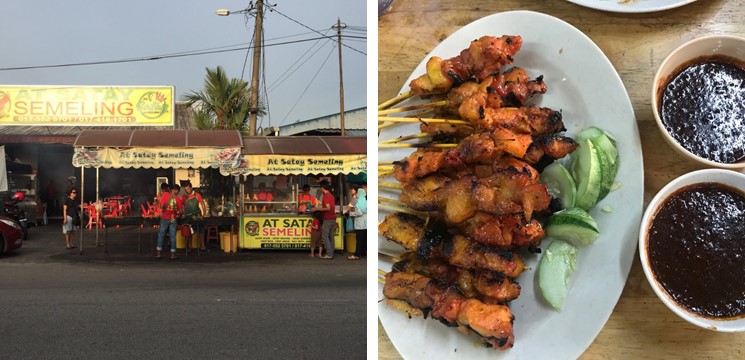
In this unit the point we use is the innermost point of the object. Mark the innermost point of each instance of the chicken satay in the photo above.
(505, 192)
(446, 132)
(492, 323)
(489, 286)
(476, 148)
(435, 241)
(549, 148)
(512, 88)
(532, 120)
(504, 232)
(483, 57)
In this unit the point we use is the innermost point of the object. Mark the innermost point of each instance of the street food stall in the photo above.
(272, 172)
(154, 149)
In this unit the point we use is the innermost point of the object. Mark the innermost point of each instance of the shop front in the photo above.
(274, 211)
(175, 150)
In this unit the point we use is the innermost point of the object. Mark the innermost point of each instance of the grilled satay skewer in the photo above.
(434, 241)
(507, 188)
(409, 292)
(483, 57)
(489, 286)
(483, 148)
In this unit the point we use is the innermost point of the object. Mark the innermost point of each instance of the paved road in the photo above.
(58, 304)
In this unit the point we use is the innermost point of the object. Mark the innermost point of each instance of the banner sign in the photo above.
(277, 232)
(297, 165)
(87, 105)
(156, 158)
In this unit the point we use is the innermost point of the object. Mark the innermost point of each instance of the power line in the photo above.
(292, 69)
(306, 88)
(273, 8)
(160, 57)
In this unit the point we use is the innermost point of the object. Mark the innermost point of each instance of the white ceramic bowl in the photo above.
(731, 46)
(727, 177)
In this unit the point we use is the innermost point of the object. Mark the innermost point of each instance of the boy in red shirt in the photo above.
(173, 207)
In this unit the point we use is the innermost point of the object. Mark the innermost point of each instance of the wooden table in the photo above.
(641, 327)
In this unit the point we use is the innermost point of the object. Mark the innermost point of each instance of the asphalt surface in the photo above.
(60, 304)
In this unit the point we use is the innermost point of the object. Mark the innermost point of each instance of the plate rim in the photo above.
(631, 9)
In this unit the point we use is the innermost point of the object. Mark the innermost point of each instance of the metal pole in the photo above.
(82, 196)
(94, 204)
(341, 76)
(256, 67)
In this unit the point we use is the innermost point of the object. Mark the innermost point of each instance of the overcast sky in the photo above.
(302, 76)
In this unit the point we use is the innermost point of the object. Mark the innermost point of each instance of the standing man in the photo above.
(194, 207)
(328, 207)
(172, 206)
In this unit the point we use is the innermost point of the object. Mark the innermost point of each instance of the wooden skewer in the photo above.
(389, 257)
(402, 209)
(381, 280)
(382, 272)
(392, 201)
(389, 185)
(384, 125)
(404, 138)
(422, 145)
(389, 162)
(401, 97)
(423, 120)
(413, 107)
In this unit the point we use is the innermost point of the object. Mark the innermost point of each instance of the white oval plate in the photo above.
(632, 6)
(583, 84)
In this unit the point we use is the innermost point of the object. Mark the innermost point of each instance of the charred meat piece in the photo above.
(489, 286)
(483, 57)
(491, 322)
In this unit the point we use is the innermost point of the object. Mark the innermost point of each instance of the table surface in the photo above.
(641, 327)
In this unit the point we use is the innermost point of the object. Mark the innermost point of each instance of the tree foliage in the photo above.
(223, 104)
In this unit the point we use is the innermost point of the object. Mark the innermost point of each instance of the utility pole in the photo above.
(256, 67)
(338, 27)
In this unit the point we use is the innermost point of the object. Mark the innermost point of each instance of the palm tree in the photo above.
(223, 104)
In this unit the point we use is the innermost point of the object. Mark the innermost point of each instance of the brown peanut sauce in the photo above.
(702, 106)
(696, 247)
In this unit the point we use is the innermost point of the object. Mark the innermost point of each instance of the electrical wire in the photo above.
(292, 69)
(306, 88)
(273, 8)
(154, 57)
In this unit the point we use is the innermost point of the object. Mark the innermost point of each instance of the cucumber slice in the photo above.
(574, 225)
(557, 263)
(560, 184)
(606, 144)
(587, 169)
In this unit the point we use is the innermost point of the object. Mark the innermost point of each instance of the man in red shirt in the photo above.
(173, 207)
(328, 209)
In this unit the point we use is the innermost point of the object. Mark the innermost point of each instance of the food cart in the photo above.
(272, 172)
(162, 149)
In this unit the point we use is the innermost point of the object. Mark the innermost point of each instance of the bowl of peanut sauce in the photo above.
(698, 100)
(692, 248)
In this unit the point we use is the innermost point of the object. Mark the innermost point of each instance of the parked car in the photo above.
(11, 235)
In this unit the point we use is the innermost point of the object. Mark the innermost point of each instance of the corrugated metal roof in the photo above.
(159, 138)
(304, 145)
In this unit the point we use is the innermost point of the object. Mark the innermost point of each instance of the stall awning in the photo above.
(179, 149)
(159, 138)
(300, 145)
(301, 155)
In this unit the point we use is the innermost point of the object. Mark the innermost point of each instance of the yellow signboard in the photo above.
(155, 158)
(87, 105)
(298, 164)
(278, 232)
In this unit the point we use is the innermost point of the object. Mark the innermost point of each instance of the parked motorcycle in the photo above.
(13, 211)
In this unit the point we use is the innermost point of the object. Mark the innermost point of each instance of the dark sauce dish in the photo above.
(698, 100)
(692, 248)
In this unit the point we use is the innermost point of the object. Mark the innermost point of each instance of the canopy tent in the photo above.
(300, 155)
(161, 149)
